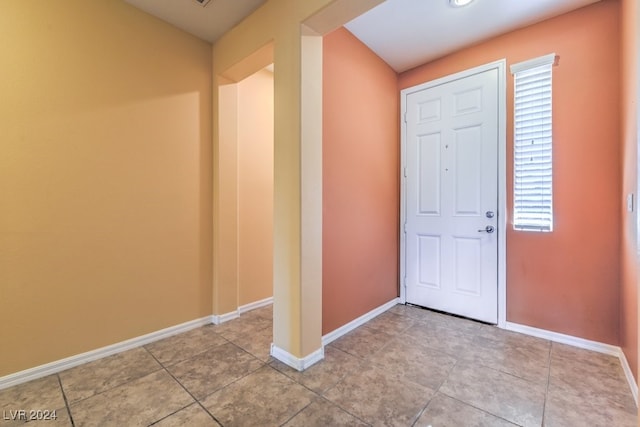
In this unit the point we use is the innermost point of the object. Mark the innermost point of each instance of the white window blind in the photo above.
(533, 173)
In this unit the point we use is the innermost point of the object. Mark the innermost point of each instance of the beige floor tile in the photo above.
(501, 338)
(416, 313)
(444, 411)
(324, 374)
(595, 377)
(55, 418)
(41, 394)
(415, 362)
(95, 377)
(498, 393)
(567, 409)
(453, 322)
(322, 413)
(244, 325)
(379, 397)
(391, 323)
(209, 371)
(192, 415)
(519, 362)
(362, 342)
(184, 346)
(513, 353)
(137, 403)
(258, 343)
(264, 312)
(264, 398)
(383, 373)
(442, 337)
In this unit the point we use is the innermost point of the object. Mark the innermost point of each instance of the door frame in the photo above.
(500, 66)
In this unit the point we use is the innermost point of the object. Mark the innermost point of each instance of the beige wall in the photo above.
(105, 178)
(255, 187)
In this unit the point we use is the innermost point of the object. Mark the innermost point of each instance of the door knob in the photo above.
(487, 229)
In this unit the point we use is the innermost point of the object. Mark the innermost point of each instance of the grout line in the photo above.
(187, 391)
(297, 413)
(481, 410)
(66, 402)
(320, 395)
(546, 391)
(159, 368)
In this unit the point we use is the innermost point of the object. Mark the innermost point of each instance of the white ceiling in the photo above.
(208, 23)
(407, 33)
(404, 33)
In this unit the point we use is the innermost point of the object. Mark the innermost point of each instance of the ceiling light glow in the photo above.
(459, 3)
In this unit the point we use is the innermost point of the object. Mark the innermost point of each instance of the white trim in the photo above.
(599, 347)
(499, 65)
(532, 63)
(502, 191)
(335, 334)
(79, 359)
(629, 375)
(295, 362)
(254, 305)
(217, 319)
(563, 339)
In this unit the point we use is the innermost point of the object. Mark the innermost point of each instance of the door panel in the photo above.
(429, 169)
(451, 182)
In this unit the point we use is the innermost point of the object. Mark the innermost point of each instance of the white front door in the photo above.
(451, 182)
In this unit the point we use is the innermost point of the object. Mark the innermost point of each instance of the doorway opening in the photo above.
(244, 177)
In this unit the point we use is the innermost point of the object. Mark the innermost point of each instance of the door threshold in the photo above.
(449, 314)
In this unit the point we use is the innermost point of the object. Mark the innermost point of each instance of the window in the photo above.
(532, 168)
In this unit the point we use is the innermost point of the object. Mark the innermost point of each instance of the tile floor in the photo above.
(406, 367)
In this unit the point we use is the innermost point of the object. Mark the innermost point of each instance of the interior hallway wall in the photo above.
(360, 181)
(566, 281)
(105, 178)
(255, 187)
(629, 127)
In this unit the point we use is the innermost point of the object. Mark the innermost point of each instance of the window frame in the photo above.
(539, 112)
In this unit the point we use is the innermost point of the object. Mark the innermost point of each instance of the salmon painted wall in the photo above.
(566, 281)
(105, 178)
(360, 181)
(629, 127)
(255, 187)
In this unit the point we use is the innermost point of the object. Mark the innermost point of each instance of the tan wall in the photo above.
(105, 178)
(629, 126)
(360, 181)
(255, 187)
(566, 281)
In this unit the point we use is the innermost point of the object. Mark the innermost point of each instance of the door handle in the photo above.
(487, 229)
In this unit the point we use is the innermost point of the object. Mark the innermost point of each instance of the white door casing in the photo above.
(453, 186)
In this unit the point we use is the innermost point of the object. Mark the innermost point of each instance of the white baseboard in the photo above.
(253, 305)
(563, 339)
(221, 318)
(302, 364)
(295, 362)
(217, 319)
(334, 335)
(599, 347)
(630, 379)
(89, 356)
